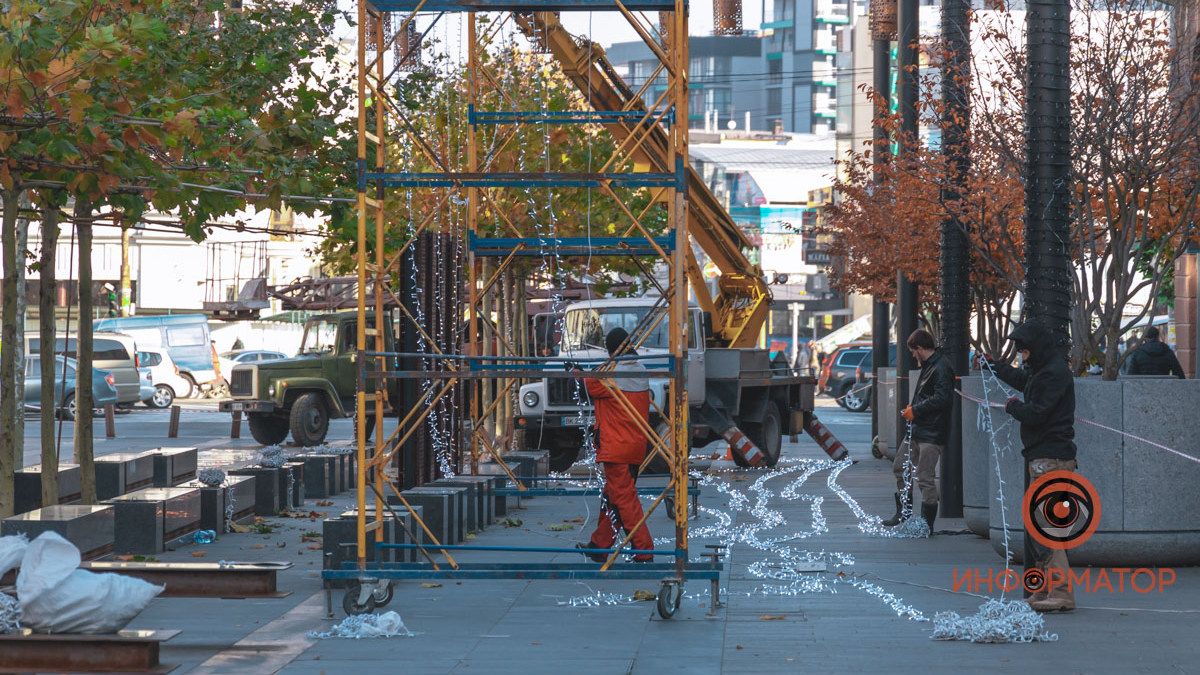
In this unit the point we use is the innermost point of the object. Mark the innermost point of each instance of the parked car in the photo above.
(166, 382)
(112, 352)
(864, 383)
(837, 374)
(104, 389)
(184, 336)
(244, 356)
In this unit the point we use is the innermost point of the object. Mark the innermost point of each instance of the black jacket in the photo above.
(1154, 358)
(933, 401)
(1047, 415)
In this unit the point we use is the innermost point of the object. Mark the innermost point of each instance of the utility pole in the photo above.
(907, 50)
(955, 254)
(882, 33)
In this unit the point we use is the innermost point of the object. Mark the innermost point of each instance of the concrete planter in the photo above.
(1150, 510)
(885, 402)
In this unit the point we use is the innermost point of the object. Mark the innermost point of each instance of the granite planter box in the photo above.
(267, 501)
(541, 460)
(485, 497)
(320, 475)
(441, 509)
(27, 486)
(89, 527)
(233, 498)
(291, 485)
(150, 519)
(123, 472)
(1149, 507)
(173, 466)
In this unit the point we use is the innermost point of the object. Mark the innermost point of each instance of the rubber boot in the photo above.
(929, 513)
(895, 520)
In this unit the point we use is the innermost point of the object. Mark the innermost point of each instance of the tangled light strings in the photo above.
(998, 619)
(10, 614)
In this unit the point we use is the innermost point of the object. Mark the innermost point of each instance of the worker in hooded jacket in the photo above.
(1047, 418)
(621, 450)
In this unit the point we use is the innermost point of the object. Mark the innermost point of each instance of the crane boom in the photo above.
(739, 307)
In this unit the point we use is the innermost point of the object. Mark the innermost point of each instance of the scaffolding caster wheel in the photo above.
(383, 593)
(360, 599)
(669, 597)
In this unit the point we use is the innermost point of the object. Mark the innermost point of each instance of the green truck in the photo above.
(301, 394)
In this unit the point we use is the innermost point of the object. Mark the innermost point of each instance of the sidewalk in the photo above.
(843, 626)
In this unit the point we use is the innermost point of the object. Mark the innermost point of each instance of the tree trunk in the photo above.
(84, 452)
(10, 406)
(19, 326)
(49, 403)
(1048, 186)
(126, 299)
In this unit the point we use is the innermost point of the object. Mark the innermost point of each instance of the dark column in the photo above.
(908, 23)
(955, 254)
(879, 308)
(1047, 167)
(1047, 174)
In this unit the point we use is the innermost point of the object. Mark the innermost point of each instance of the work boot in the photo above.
(896, 519)
(1058, 598)
(929, 513)
(594, 557)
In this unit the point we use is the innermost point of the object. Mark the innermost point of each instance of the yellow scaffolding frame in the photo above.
(670, 46)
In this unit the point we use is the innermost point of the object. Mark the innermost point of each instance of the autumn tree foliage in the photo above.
(1135, 130)
(194, 109)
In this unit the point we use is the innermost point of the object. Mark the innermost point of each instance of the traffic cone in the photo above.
(824, 438)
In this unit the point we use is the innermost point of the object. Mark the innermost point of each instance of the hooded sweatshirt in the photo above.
(1154, 357)
(1047, 415)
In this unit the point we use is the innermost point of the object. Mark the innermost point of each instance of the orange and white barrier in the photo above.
(825, 438)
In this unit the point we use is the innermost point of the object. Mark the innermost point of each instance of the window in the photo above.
(775, 71)
(775, 101)
(149, 359)
(109, 350)
(587, 328)
(852, 357)
(33, 367)
(185, 336)
(319, 338)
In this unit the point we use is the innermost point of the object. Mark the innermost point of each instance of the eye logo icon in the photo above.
(1061, 510)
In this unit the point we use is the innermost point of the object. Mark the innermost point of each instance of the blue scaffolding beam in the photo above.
(520, 180)
(521, 6)
(565, 246)
(484, 117)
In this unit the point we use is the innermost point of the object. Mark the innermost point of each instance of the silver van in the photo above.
(114, 352)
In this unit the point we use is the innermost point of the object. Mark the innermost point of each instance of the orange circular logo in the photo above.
(1061, 509)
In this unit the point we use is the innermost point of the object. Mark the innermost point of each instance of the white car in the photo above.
(243, 356)
(164, 375)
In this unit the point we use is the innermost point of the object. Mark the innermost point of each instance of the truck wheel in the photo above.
(309, 420)
(268, 429)
(658, 465)
(562, 456)
(768, 434)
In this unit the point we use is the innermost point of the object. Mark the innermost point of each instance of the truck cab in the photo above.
(301, 394)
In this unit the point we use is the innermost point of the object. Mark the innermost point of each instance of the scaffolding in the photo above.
(483, 369)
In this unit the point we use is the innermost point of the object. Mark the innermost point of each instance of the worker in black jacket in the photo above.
(929, 415)
(1154, 357)
(1047, 417)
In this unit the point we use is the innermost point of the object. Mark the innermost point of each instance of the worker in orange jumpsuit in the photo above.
(620, 451)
